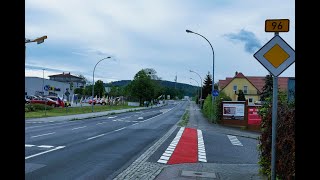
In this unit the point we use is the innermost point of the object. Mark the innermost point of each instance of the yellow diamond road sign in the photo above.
(276, 55)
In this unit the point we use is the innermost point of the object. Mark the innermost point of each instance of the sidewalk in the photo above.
(203, 171)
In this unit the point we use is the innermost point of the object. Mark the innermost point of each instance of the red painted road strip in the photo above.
(186, 150)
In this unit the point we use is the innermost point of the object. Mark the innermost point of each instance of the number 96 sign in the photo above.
(277, 25)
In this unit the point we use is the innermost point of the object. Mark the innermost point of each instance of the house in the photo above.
(252, 86)
(74, 81)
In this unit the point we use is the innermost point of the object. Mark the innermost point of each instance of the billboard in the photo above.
(233, 111)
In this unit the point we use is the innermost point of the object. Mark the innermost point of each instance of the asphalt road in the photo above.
(98, 148)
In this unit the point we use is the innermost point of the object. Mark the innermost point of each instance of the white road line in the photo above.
(104, 122)
(45, 146)
(95, 136)
(42, 135)
(135, 124)
(120, 129)
(28, 145)
(168, 152)
(34, 126)
(201, 148)
(234, 140)
(79, 127)
(112, 117)
(59, 147)
(140, 117)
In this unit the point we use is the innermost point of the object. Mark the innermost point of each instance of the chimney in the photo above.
(236, 73)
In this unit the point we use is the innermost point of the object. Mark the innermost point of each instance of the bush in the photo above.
(36, 107)
(285, 146)
(217, 107)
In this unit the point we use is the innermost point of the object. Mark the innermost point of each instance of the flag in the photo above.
(60, 102)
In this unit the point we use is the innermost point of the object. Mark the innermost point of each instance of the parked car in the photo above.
(30, 97)
(61, 103)
(26, 101)
(94, 101)
(46, 101)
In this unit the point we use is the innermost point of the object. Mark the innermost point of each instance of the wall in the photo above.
(240, 82)
(33, 84)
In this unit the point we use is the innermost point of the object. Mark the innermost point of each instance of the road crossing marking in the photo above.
(201, 156)
(167, 154)
(234, 140)
(201, 149)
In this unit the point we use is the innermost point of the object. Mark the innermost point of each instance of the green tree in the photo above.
(241, 96)
(207, 86)
(99, 88)
(267, 88)
(142, 87)
(84, 79)
(151, 73)
(79, 91)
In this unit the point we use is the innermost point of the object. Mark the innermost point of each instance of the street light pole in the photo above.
(198, 88)
(45, 108)
(93, 80)
(201, 84)
(188, 31)
(38, 40)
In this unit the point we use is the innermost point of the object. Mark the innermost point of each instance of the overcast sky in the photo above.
(152, 34)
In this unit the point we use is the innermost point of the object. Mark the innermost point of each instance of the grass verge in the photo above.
(73, 110)
(185, 119)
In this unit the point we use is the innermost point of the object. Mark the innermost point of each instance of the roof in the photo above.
(67, 75)
(257, 81)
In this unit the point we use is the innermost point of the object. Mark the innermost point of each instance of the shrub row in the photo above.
(36, 107)
(285, 145)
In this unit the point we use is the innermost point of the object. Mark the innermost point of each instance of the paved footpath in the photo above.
(141, 169)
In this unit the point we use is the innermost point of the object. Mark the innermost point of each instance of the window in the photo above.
(245, 89)
(250, 100)
(235, 88)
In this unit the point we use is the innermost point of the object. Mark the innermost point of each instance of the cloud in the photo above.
(251, 42)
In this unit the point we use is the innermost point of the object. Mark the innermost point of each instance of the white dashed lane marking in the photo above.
(50, 150)
(42, 135)
(78, 127)
(234, 140)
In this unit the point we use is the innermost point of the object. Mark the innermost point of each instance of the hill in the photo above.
(188, 89)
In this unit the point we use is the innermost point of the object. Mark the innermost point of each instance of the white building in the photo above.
(40, 86)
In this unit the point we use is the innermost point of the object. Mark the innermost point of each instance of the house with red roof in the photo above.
(250, 85)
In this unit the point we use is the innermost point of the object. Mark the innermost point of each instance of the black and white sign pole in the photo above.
(276, 56)
(274, 124)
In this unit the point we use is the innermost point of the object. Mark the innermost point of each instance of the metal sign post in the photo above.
(276, 56)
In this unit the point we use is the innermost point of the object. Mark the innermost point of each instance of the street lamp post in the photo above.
(188, 31)
(93, 80)
(45, 108)
(198, 88)
(38, 40)
(201, 85)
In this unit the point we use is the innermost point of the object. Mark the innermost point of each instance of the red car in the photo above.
(46, 101)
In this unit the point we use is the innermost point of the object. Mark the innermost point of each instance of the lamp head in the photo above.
(188, 31)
